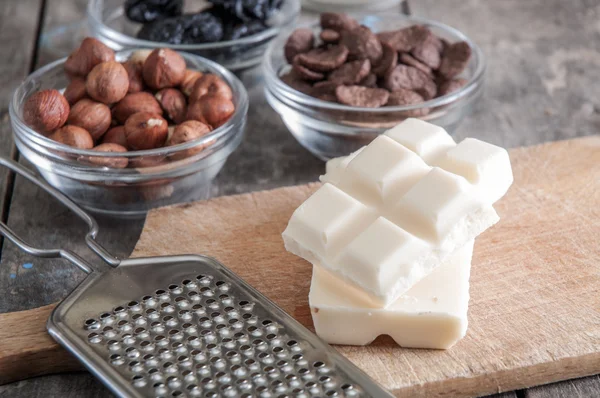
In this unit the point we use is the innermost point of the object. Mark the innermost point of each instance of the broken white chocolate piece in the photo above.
(432, 314)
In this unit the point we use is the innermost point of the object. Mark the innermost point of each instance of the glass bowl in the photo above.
(107, 22)
(329, 130)
(156, 177)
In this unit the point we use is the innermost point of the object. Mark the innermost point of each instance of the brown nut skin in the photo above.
(189, 131)
(108, 82)
(90, 53)
(213, 110)
(145, 130)
(147, 161)
(115, 135)
(210, 84)
(92, 116)
(112, 162)
(73, 136)
(138, 57)
(189, 79)
(134, 71)
(134, 103)
(75, 90)
(163, 68)
(46, 110)
(173, 103)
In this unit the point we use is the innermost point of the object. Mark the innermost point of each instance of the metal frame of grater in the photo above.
(186, 326)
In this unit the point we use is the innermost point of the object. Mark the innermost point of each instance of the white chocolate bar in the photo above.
(432, 314)
(385, 218)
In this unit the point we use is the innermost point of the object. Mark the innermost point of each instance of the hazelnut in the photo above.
(108, 82)
(186, 132)
(46, 110)
(90, 115)
(173, 103)
(112, 162)
(211, 109)
(115, 135)
(145, 130)
(73, 136)
(138, 57)
(90, 53)
(134, 71)
(147, 161)
(189, 79)
(163, 68)
(210, 84)
(134, 103)
(75, 90)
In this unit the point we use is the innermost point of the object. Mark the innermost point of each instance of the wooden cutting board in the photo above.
(535, 286)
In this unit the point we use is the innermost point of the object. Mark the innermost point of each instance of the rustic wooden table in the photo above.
(543, 84)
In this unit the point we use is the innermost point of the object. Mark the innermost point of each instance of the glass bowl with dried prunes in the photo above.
(233, 33)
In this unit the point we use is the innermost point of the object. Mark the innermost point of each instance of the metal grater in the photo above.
(186, 326)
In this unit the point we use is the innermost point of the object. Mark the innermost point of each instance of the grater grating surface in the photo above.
(186, 326)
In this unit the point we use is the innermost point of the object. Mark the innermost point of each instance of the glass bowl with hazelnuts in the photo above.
(121, 133)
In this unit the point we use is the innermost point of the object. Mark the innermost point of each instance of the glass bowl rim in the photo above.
(228, 128)
(120, 37)
(272, 78)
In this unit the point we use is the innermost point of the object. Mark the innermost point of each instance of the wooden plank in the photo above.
(577, 388)
(18, 33)
(543, 66)
(535, 283)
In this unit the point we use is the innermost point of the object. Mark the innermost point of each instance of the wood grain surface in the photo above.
(535, 286)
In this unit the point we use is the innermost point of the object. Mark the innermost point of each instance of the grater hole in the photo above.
(133, 304)
(277, 350)
(228, 309)
(318, 364)
(331, 393)
(211, 346)
(243, 303)
(219, 283)
(146, 298)
(245, 347)
(310, 384)
(199, 277)
(205, 289)
(179, 299)
(303, 371)
(269, 369)
(282, 363)
(211, 301)
(277, 383)
(267, 322)
(192, 294)
(249, 362)
(297, 357)
(347, 387)
(261, 388)
(220, 326)
(325, 379)
(159, 292)
(139, 330)
(177, 393)
(292, 343)
(247, 316)
(186, 282)
(105, 315)
(215, 314)
(173, 287)
(271, 336)
(223, 297)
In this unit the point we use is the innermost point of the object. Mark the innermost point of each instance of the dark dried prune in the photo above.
(168, 30)
(203, 27)
(144, 11)
(243, 29)
(248, 9)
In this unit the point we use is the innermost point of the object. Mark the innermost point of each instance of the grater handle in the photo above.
(57, 253)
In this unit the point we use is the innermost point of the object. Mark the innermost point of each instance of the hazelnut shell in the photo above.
(134, 103)
(46, 110)
(145, 130)
(73, 136)
(210, 84)
(186, 132)
(211, 109)
(75, 90)
(90, 53)
(107, 82)
(163, 68)
(92, 116)
(112, 162)
(115, 135)
(189, 79)
(174, 104)
(134, 71)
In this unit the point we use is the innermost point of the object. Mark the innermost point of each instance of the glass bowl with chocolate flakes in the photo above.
(233, 33)
(341, 82)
